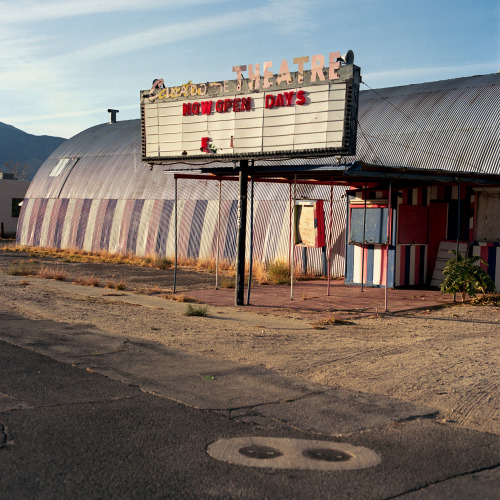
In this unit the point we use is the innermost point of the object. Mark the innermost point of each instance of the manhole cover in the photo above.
(327, 454)
(260, 452)
(284, 453)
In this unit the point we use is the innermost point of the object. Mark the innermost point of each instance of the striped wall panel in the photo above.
(147, 227)
(490, 253)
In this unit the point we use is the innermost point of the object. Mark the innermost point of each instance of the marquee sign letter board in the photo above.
(309, 114)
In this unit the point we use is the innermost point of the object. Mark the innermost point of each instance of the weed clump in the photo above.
(119, 285)
(50, 273)
(192, 310)
(178, 297)
(279, 273)
(88, 281)
(24, 268)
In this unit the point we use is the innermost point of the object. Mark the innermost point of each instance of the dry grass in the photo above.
(116, 285)
(277, 272)
(153, 290)
(79, 255)
(178, 297)
(259, 272)
(331, 320)
(87, 281)
(51, 273)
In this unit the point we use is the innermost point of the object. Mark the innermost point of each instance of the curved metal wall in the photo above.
(108, 200)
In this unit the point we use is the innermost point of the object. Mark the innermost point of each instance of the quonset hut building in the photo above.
(437, 143)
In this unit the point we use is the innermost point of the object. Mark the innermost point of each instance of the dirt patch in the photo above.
(447, 359)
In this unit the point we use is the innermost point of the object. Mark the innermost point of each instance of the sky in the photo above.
(63, 64)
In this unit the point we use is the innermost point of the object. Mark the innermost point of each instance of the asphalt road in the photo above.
(67, 432)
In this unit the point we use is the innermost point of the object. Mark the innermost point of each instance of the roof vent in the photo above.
(112, 113)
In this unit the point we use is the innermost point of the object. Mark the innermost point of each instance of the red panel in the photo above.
(438, 222)
(412, 224)
(319, 219)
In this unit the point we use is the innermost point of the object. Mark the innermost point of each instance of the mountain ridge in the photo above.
(24, 150)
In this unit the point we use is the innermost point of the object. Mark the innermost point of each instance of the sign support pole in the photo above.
(241, 238)
(175, 250)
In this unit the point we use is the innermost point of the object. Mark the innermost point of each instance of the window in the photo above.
(488, 217)
(63, 162)
(16, 206)
(375, 228)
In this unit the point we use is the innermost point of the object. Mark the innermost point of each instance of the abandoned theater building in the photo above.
(425, 179)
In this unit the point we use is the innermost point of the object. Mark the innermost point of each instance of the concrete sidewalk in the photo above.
(310, 298)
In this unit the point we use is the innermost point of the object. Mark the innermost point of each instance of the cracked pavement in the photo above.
(421, 457)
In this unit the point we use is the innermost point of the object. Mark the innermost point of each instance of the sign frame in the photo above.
(349, 74)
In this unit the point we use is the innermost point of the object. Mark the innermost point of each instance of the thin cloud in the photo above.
(163, 35)
(415, 75)
(36, 11)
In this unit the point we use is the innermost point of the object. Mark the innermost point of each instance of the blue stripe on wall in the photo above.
(196, 229)
(82, 223)
(163, 227)
(39, 221)
(230, 243)
(370, 254)
(407, 251)
(107, 223)
(135, 219)
(421, 277)
(492, 261)
(61, 215)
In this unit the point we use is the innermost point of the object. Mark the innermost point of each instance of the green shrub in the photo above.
(192, 310)
(279, 273)
(227, 282)
(24, 268)
(162, 263)
(464, 276)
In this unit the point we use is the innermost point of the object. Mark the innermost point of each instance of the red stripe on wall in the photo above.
(383, 270)
(484, 256)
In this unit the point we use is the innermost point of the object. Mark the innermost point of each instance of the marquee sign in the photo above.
(304, 113)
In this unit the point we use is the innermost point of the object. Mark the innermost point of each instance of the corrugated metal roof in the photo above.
(449, 125)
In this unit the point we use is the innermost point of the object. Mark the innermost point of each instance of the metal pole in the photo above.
(330, 239)
(175, 251)
(242, 225)
(389, 236)
(363, 246)
(251, 241)
(292, 232)
(458, 220)
(290, 213)
(458, 230)
(218, 240)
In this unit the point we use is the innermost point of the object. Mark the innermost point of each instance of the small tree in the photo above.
(464, 276)
(20, 170)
